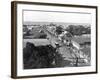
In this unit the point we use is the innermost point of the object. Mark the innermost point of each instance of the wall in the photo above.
(5, 40)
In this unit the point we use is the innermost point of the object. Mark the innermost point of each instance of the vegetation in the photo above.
(38, 56)
(78, 30)
(59, 30)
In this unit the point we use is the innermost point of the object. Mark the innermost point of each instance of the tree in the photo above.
(71, 29)
(77, 29)
(59, 30)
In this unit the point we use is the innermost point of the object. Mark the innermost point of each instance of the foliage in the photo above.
(59, 29)
(78, 30)
(38, 56)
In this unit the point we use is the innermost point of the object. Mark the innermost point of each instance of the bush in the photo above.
(38, 56)
(78, 30)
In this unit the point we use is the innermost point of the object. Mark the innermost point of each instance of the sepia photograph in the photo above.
(53, 39)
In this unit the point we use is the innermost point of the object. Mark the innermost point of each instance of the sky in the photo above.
(47, 16)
